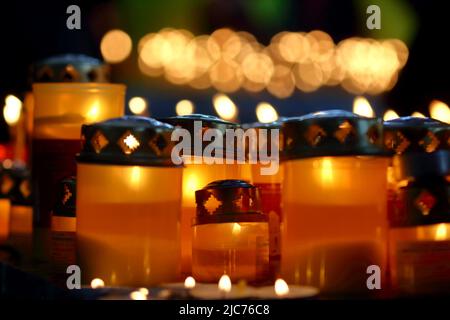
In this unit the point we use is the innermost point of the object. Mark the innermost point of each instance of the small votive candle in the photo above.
(230, 234)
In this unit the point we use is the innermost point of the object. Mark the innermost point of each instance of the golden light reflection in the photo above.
(326, 172)
(93, 113)
(138, 295)
(390, 115)
(135, 177)
(362, 107)
(224, 106)
(266, 113)
(236, 229)
(115, 46)
(184, 107)
(417, 114)
(440, 111)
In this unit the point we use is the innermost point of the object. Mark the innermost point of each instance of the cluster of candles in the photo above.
(347, 187)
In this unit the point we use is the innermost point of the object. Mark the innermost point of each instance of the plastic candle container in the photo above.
(60, 108)
(420, 224)
(128, 203)
(197, 173)
(269, 188)
(230, 234)
(334, 201)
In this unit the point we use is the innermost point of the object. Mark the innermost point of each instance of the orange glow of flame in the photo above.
(97, 283)
(440, 111)
(390, 115)
(189, 283)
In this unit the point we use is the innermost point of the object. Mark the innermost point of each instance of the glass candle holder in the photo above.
(230, 234)
(60, 110)
(197, 173)
(420, 224)
(128, 203)
(334, 202)
(269, 186)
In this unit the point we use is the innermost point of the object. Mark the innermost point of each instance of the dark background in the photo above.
(33, 30)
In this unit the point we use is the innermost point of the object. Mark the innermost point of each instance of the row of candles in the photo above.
(321, 221)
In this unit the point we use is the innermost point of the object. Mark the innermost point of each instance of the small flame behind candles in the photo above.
(225, 283)
(390, 115)
(144, 291)
(440, 111)
(97, 283)
(281, 288)
(362, 107)
(417, 114)
(189, 283)
(138, 295)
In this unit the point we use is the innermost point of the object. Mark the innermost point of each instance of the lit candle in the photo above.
(334, 201)
(230, 233)
(60, 110)
(420, 225)
(128, 202)
(222, 290)
(197, 173)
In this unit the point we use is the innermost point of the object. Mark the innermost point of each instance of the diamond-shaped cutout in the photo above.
(425, 202)
(429, 142)
(25, 188)
(128, 143)
(158, 144)
(99, 141)
(315, 134)
(7, 184)
(212, 204)
(397, 142)
(345, 130)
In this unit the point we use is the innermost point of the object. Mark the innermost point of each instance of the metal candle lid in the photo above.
(70, 68)
(208, 122)
(421, 146)
(65, 205)
(228, 201)
(128, 140)
(15, 184)
(331, 133)
(264, 142)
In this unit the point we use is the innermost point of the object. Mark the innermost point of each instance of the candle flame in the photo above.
(138, 295)
(390, 115)
(441, 232)
(362, 107)
(225, 283)
(144, 291)
(417, 114)
(12, 109)
(225, 108)
(266, 113)
(440, 111)
(236, 229)
(189, 283)
(281, 288)
(97, 283)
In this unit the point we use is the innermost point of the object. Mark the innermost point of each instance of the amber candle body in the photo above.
(60, 110)
(5, 213)
(128, 203)
(335, 222)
